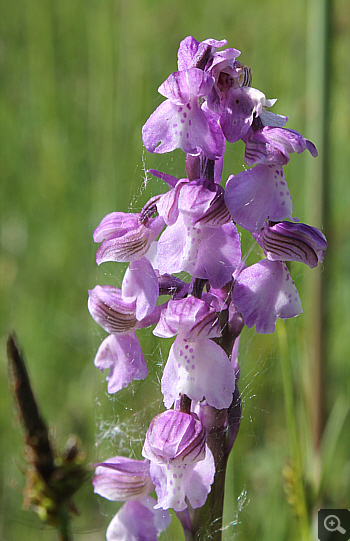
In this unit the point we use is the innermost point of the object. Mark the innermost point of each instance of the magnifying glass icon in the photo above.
(332, 524)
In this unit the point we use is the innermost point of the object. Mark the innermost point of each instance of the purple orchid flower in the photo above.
(209, 101)
(129, 480)
(198, 224)
(182, 466)
(120, 352)
(193, 357)
(179, 122)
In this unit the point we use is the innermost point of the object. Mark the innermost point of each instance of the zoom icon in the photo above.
(334, 525)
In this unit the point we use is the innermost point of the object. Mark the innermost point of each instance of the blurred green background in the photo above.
(78, 81)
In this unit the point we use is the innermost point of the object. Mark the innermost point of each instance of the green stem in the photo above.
(63, 530)
(293, 439)
(207, 520)
(316, 205)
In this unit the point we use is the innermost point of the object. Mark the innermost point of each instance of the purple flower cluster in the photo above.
(191, 229)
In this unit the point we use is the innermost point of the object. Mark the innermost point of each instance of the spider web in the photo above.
(122, 419)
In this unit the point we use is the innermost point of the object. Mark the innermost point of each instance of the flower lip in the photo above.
(255, 194)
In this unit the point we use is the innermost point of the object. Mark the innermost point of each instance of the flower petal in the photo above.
(187, 127)
(273, 146)
(138, 520)
(111, 311)
(125, 238)
(140, 283)
(191, 316)
(182, 86)
(187, 50)
(256, 194)
(190, 368)
(290, 241)
(122, 355)
(122, 479)
(176, 484)
(185, 247)
(241, 105)
(263, 292)
(174, 437)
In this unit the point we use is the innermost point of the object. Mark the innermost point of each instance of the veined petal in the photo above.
(185, 247)
(168, 204)
(122, 479)
(116, 224)
(204, 201)
(256, 194)
(193, 317)
(111, 311)
(174, 437)
(273, 146)
(290, 241)
(132, 245)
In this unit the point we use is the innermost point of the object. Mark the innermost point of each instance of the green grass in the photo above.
(78, 80)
